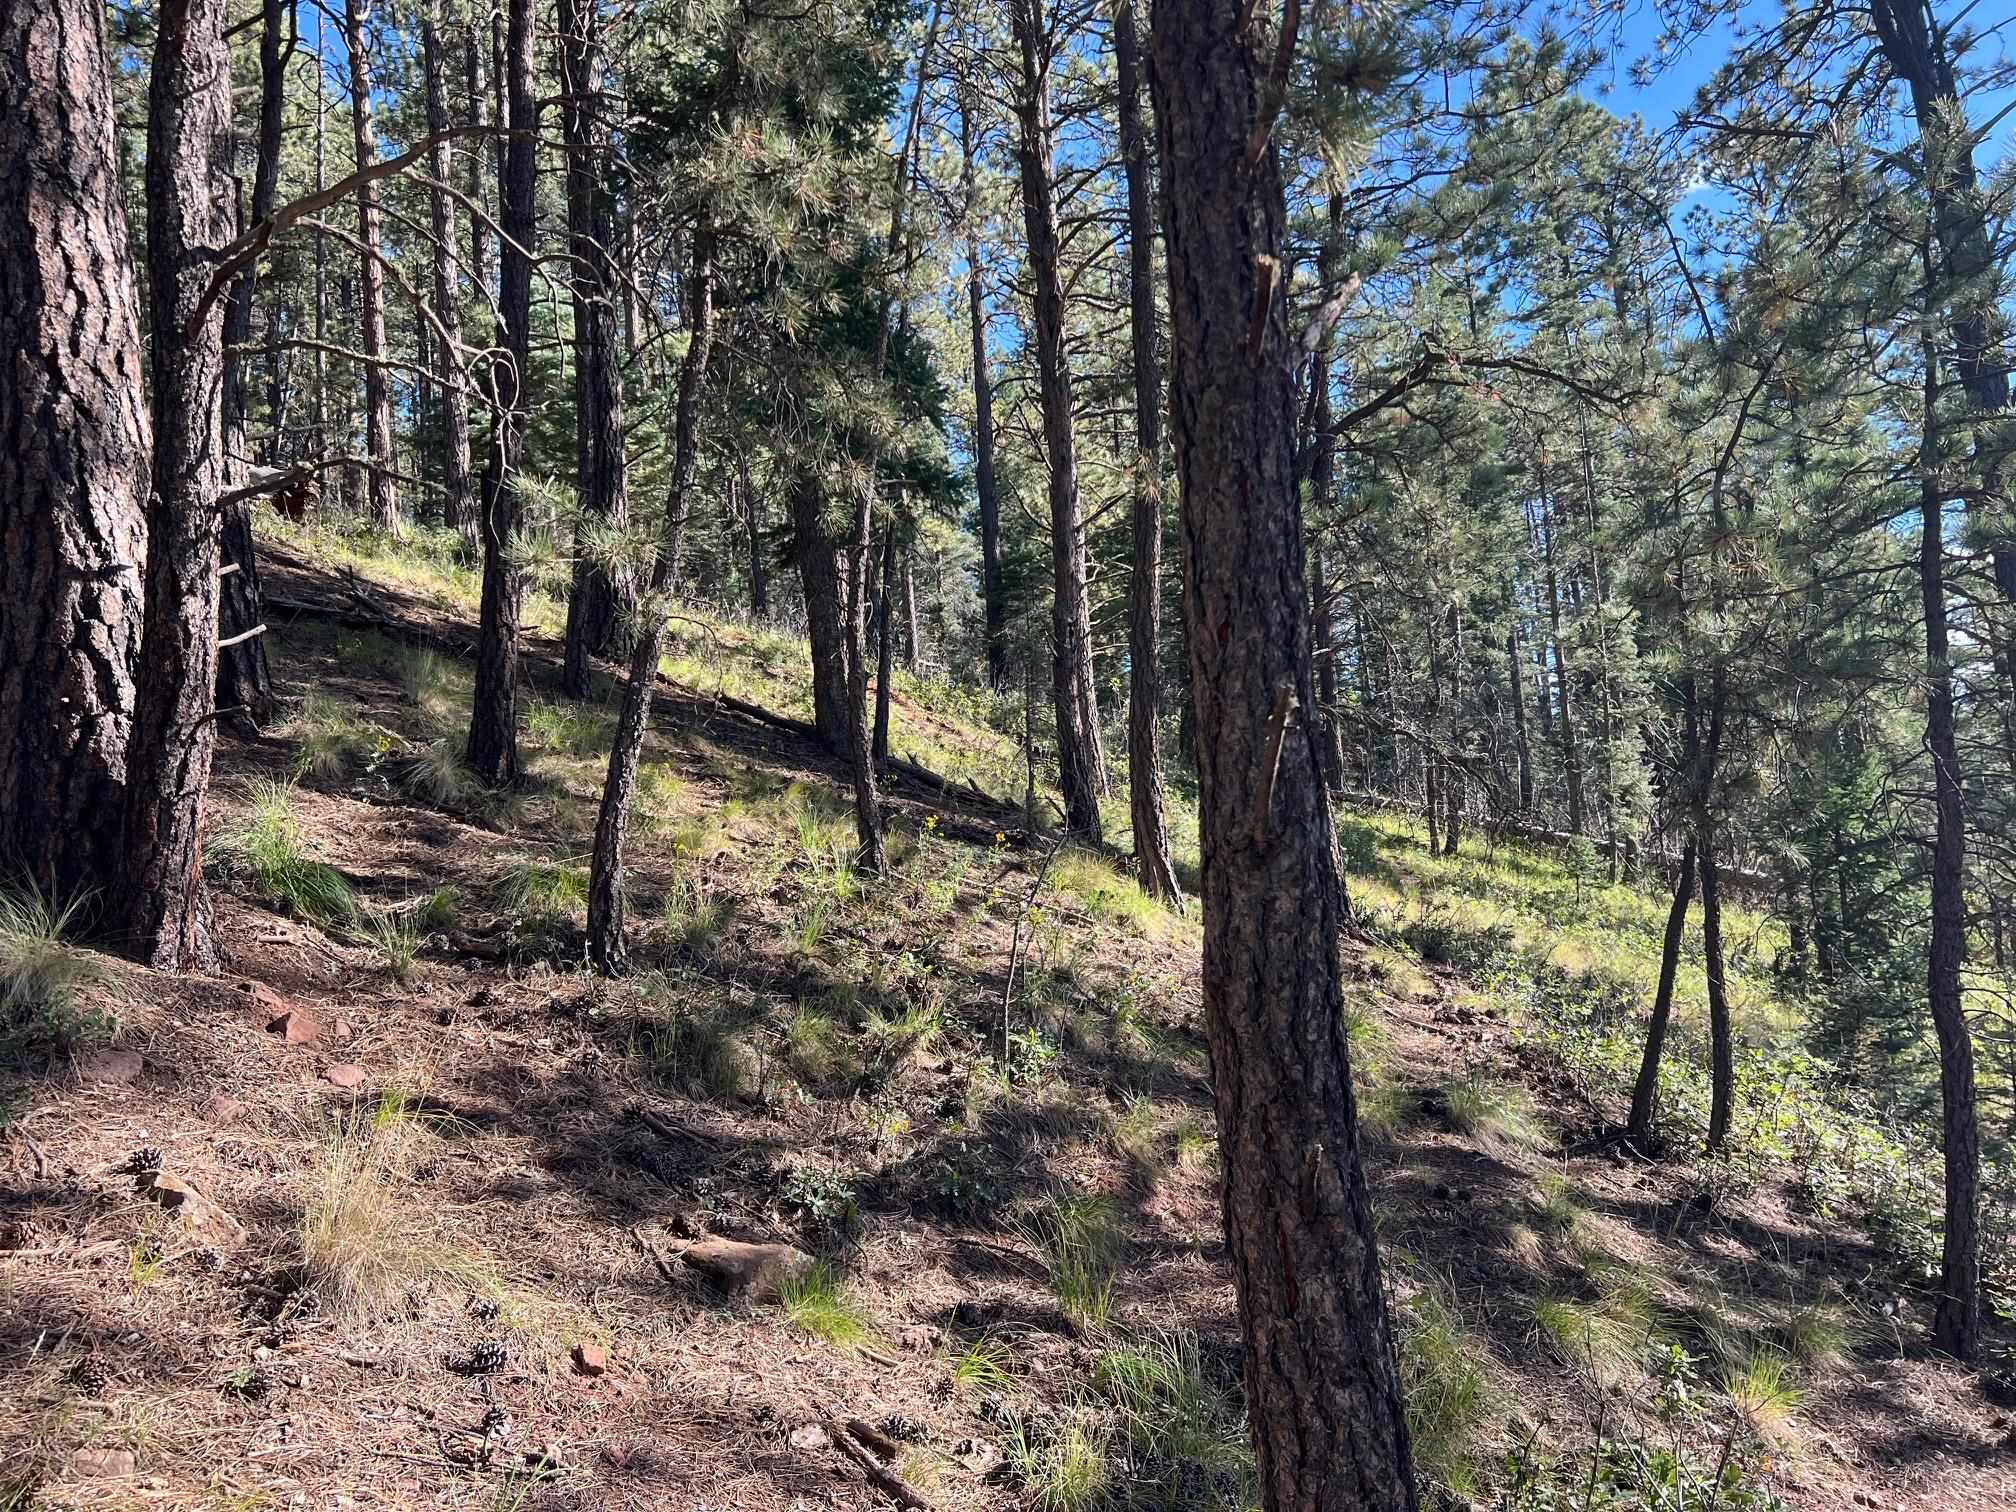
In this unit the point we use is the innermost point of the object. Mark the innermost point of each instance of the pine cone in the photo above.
(483, 1309)
(89, 1376)
(430, 1168)
(486, 1358)
(146, 1158)
(905, 1430)
(208, 1260)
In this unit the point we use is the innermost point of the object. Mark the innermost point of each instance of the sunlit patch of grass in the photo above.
(697, 1052)
(691, 916)
(1603, 1334)
(543, 890)
(1445, 1387)
(1082, 1240)
(818, 1050)
(983, 1366)
(331, 738)
(362, 1245)
(1384, 1110)
(1763, 1392)
(1136, 1131)
(821, 1304)
(1556, 1205)
(1818, 1337)
(267, 849)
(42, 974)
(1177, 1422)
(396, 935)
(1196, 1145)
(569, 729)
(1487, 1109)
(437, 773)
(1105, 894)
(661, 793)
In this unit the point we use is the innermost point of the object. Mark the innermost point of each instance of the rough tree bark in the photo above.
(458, 499)
(1957, 1325)
(825, 604)
(1147, 803)
(1081, 758)
(243, 679)
(1721, 1034)
(384, 489)
(993, 587)
(1645, 1093)
(1322, 1385)
(493, 722)
(602, 602)
(1523, 743)
(189, 218)
(74, 448)
(606, 887)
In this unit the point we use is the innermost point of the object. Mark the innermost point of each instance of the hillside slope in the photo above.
(437, 1215)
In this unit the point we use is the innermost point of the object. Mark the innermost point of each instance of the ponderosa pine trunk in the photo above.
(870, 856)
(1957, 1324)
(189, 220)
(993, 586)
(384, 488)
(1571, 755)
(458, 497)
(759, 561)
(885, 645)
(1322, 1384)
(474, 45)
(1147, 803)
(1081, 758)
(606, 882)
(74, 455)
(602, 601)
(1523, 744)
(493, 721)
(819, 578)
(1645, 1093)
(244, 681)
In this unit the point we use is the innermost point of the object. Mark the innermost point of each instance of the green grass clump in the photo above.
(568, 729)
(820, 1304)
(1556, 1205)
(541, 891)
(691, 918)
(1446, 1390)
(268, 850)
(1082, 1240)
(1818, 1337)
(1604, 1333)
(396, 936)
(1762, 1390)
(1064, 1465)
(1487, 1109)
(438, 773)
(1182, 1429)
(697, 1053)
(331, 739)
(42, 973)
(982, 1366)
(1105, 894)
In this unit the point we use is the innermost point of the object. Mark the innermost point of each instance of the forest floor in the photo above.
(431, 1226)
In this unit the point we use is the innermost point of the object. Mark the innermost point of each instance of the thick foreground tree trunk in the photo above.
(74, 440)
(1081, 759)
(493, 721)
(1147, 804)
(1322, 1384)
(189, 218)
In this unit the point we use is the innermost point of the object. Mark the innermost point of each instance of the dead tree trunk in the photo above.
(1322, 1385)
(384, 490)
(493, 722)
(993, 587)
(74, 450)
(189, 218)
(1081, 759)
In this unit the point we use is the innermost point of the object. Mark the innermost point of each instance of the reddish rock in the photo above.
(296, 1027)
(266, 1003)
(344, 1033)
(102, 1464)
(343, 1074)
(590, 1359)
(119, 1066)
(758, 1271)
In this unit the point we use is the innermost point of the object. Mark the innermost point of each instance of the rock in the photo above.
(267, 1004)
(114, 1066)
(226, 1110)
(345, 1075)
(344, 1031)
(296, 1027)
(102, 1464)
(920, 1338)
(590, 1359)
(808, 1438)
(194, 1210)
(758, 1271)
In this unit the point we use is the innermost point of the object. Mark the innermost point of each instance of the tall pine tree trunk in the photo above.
(1080, 757)
(458, 498)
(1322, 1385)
(1571, 756)
(602, 601)
(74, 452)
(384, 491)
(1645, 1092)
(1721, 1033)
(189, 219)
(825, 611)
(1523, 747)
(493, 722)
(1146, 801)
(606, 884)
